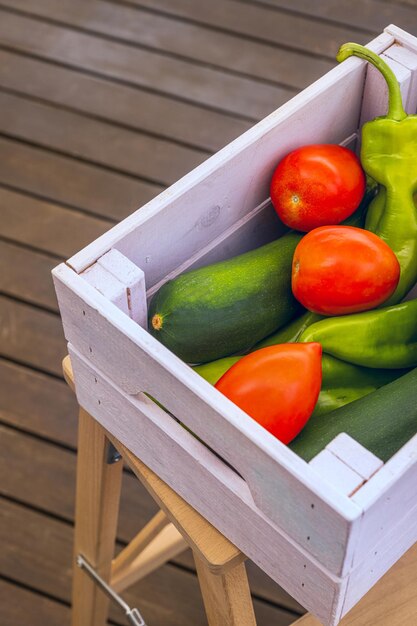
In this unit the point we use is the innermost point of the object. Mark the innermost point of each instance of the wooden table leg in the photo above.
(226, 596)
(96, 513)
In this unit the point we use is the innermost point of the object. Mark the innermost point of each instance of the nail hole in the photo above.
(91, 350)
(375, 553)
(99, 401)
(312, 506)
(83, 312)
(95, 380)
(302, 584)
(308, 538)
(305, 566)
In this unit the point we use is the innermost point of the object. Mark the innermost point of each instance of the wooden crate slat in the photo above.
(355, 456)
(133, 280)
(336, 472)
(397, 540)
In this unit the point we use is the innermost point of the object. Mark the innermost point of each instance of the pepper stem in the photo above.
(395, 104)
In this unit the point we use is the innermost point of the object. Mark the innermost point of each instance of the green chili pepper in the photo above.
(382, 338)
(389, 155)
(344, 382)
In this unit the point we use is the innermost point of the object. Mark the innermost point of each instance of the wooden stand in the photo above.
(220, 565)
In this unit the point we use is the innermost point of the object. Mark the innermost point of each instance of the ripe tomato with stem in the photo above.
(317, 185)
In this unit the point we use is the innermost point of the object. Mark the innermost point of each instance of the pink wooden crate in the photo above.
(325, 531)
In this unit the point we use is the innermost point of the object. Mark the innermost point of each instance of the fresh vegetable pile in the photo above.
(309, 334)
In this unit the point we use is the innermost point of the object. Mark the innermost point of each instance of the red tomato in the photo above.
(343, 269)
(278, 386)
(317, 185)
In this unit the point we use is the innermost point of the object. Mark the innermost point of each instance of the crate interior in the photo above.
(222, 208)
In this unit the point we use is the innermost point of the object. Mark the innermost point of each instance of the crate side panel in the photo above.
(255, 229)
(284, 487)
(397, 540)
(200, 206)
(387, 498)
(207, 484)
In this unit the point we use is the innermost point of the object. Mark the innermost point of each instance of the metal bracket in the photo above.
(113, 456)
(133, 615)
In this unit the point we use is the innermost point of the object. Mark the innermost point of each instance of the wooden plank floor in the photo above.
(103, 103)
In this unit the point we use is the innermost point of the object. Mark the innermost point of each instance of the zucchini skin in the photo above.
(382, 421)
(220, 309)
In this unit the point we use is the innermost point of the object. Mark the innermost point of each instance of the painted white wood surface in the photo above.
(256, 228)
(212, 488)
(396, 541)
(336, 473)
(206, 202)
(133, 279)
(108, 285)
(375, 95)
(387, 497)
(407, 59)
(355, 456)
(282, 485)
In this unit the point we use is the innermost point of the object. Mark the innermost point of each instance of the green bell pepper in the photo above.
(381, 338)
(389, 155)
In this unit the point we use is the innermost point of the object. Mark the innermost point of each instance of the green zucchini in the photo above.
(382, 421)
(227, 307)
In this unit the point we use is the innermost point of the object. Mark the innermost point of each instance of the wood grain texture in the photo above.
(20, 607)
(38, 553)
(26, 275)
(216, 552)
(372, 15)
(46, 226)
(115, 102)
(226, 596)
(280, 28)
(31, 336)
(98, 488)
(55, 465)
(46, 407)
(138, 560)
(147, 69)
(184, 39)
(64, 180)
(120, 149)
